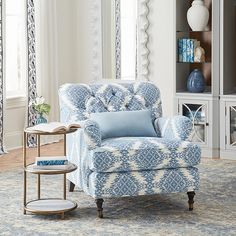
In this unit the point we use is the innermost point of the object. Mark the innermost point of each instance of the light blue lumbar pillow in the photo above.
(125, 124)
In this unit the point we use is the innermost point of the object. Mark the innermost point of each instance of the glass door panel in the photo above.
(233, 126)
(197, 114)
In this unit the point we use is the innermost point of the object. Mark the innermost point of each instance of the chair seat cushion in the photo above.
(143, 153)
(125, 124)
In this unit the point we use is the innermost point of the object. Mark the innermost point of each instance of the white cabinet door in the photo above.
(230, 125)
(197, 112)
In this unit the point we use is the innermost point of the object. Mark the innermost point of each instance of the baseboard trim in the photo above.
(213, 153)
(13, 140)
(228, 155)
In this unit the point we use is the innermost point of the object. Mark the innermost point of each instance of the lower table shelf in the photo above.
(40, 205)
(50, 206)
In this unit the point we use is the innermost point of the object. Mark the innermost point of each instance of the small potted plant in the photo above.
(41, 108)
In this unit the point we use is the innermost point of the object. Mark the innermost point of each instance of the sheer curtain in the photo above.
(46, 57)
(46, 54)
(56, 49)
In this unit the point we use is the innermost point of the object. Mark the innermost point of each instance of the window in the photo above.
(15, 48)
(125, 38)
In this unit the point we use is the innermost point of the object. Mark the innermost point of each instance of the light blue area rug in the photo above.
(214, 209)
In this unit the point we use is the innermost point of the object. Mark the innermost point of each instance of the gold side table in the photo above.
(46, 205)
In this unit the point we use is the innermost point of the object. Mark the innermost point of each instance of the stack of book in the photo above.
(51, 163)
(186, 48)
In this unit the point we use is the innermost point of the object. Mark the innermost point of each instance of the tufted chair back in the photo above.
(79, 100)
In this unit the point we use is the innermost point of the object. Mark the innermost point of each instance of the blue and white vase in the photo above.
(196, 82)
(40, 119)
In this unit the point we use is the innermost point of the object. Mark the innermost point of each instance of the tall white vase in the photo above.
(198, 16)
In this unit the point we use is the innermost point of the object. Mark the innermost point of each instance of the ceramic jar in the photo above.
(196, 82)
(40, 119)
(198, 16)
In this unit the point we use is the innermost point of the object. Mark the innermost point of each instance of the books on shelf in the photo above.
(186, 49)
(54, 127)
(49, 161)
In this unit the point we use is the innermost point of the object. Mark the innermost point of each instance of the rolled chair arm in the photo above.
(92, 134)
(177, 127)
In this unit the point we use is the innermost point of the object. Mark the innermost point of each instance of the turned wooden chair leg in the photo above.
(190, 200)
(71, 186)
(99, 203)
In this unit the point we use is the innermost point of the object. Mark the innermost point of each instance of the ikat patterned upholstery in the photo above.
(177, 127)
(127, 166)
(140, 153)
(148, 182)
(92, 134)
(81, 100)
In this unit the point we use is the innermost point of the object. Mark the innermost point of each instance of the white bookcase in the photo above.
(202, 108)
(228, 79)
(212, 112)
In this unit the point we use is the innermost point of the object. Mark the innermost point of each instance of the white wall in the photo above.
(84, 45)
(66, 55)
(161, 45)
(162, 50)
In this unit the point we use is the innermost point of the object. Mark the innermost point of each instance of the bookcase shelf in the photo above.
(205, 62)
(204, 37)
(194, 32)
(183, 69)
(182, 7)
(191, 31)
(207, 92)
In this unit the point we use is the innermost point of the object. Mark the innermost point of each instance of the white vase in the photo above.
(198, 16)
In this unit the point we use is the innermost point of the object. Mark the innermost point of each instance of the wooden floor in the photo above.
(14, 159)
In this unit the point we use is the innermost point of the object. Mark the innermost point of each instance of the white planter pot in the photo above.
(198, 16)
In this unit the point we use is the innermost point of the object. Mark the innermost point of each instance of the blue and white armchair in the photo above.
(127, 166)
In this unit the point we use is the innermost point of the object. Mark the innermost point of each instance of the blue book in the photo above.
(188, 50)
(192, 48)
(48, 161)
(180, 50)
(52, 162)
(184, 50)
